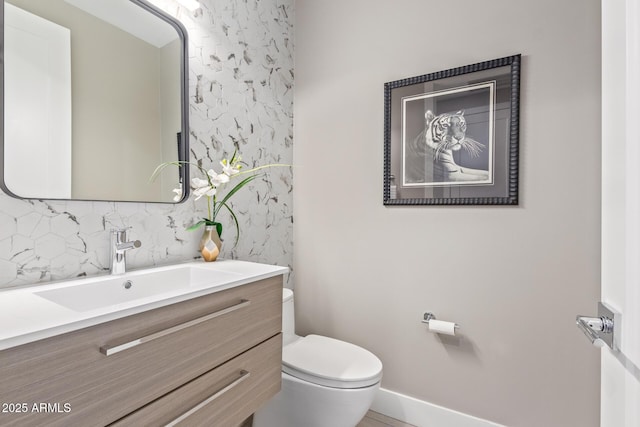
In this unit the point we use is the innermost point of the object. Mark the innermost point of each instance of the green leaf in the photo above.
(197, 225)
(272, 165)
(235, 220)
(208, 223)
(159, 169)
(233, 191)
(218, 228)
(177, 163)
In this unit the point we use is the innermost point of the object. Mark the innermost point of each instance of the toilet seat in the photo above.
(330, 362)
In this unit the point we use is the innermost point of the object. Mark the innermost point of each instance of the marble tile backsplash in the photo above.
(240, 97)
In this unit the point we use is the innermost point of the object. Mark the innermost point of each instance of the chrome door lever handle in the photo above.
(591, 326)
(600, 330)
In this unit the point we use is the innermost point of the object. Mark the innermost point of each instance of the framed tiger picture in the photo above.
(451, 137)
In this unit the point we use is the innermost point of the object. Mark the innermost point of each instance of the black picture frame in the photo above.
(452, 137)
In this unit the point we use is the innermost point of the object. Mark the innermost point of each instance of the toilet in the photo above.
(325, 382)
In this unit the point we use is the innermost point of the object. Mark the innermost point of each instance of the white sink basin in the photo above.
(37, 312)
(132, 287)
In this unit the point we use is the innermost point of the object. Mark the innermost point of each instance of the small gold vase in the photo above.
(210, 243)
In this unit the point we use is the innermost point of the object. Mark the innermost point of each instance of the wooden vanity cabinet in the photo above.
(209, 361)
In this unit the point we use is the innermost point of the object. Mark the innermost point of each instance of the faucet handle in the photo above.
(119, 235)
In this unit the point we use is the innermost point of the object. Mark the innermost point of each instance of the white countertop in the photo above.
(26, 317)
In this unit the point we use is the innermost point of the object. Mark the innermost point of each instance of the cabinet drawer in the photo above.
(224, 396)
(173, 345)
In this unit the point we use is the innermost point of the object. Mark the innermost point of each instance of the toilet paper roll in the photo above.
(442, 327)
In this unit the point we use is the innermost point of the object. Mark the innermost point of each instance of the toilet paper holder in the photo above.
(430, 316)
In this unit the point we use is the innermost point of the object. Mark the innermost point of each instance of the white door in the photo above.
(621, 208)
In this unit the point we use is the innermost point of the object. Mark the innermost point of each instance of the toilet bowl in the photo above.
(325, 382)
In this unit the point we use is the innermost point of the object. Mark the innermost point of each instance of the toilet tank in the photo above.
(288, 317)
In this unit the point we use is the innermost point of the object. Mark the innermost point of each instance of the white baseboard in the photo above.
(421, 413)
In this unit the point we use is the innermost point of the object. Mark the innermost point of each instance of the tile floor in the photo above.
(374, 419)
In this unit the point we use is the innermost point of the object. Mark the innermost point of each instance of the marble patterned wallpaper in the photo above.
(240, 97)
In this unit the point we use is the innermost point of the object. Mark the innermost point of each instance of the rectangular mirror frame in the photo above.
(183, 152)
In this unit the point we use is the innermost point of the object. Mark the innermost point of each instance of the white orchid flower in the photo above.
(178, 192)
(217, 179)
(199, 183)
(201, 187)
(230, 169)
(204, 191)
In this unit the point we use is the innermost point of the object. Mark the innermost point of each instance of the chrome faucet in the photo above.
(119, 246)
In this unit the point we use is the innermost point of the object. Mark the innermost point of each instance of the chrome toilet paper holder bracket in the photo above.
(430, 316)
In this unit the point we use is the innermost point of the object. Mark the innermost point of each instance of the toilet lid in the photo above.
(330, 362)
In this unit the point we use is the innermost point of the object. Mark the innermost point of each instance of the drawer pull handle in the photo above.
(243, 376)
(108, 350)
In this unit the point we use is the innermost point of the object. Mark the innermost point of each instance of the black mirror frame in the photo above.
(183, 141)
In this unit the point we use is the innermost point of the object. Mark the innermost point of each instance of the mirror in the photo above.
(94, 100)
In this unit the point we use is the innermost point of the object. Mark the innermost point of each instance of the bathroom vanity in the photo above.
(201, 352)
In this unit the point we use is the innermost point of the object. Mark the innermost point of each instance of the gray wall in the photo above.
(513, 277)
(231, 45)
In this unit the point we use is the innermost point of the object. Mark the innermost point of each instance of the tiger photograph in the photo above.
(446, 143)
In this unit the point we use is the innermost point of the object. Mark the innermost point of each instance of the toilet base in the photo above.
(304, 404)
